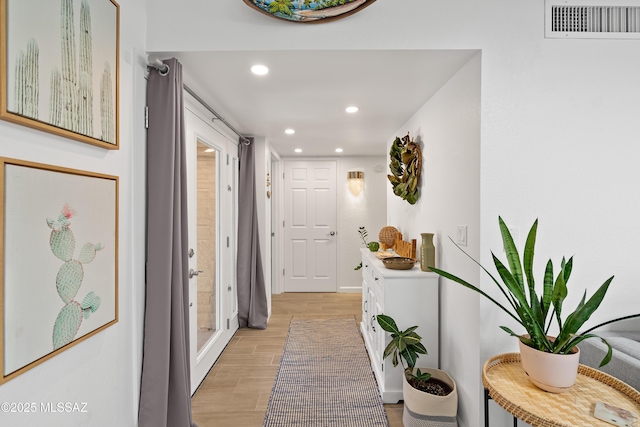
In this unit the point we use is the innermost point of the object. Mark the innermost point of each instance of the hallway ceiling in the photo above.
(308, 91)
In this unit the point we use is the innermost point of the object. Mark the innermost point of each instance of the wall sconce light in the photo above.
(356, 181)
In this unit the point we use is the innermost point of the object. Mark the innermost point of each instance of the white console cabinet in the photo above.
(410, 297)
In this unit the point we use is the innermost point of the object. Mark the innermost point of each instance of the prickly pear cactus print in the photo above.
(90, 304)
(88, 252)
(67, 324)
(70, 277)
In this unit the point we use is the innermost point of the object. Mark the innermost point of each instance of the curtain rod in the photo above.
(164, 69)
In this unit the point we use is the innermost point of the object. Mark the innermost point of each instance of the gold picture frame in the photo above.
(55, 290)
(59, 68)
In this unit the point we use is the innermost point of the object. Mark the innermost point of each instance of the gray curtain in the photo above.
(252, 297)
(165, 395)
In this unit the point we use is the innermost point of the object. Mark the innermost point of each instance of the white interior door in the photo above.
(212, 172)
(310, 226)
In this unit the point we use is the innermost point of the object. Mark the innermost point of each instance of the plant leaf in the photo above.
(512, 253)
(528, 270)
(401, 343)
(567, 267)
(470, 286)
(522, 338)
(387, 323)
(558, 295)
(548, 289)
(631, 316)
(510, 282)
(411, 329)
(419, 348)
(576, 319)
(391, 347)
(412, 335)
(410, 356)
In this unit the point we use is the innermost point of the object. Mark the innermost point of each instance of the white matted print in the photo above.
(60, 67)
(59, 259)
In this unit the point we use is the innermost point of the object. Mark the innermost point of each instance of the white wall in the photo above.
(559, 126)
(448, 130)
(104, 370)
(368, 209)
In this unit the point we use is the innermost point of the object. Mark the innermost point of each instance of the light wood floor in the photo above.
(236, 391)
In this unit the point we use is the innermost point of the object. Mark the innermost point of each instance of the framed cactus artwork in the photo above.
(59, 257)
(59, 67)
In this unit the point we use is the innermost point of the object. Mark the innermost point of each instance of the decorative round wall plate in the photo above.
(308, 11)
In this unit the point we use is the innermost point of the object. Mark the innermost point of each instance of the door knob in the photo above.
(332, 233)
(191, 253)
(229, 288)
(193, 272)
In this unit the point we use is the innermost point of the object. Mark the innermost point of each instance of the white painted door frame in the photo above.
(277, 237)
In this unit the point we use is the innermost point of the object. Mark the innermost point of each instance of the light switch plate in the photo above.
(461, 238)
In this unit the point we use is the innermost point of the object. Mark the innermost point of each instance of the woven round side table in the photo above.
(507, 384)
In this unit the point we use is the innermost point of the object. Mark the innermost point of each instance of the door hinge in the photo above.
(282, 224)
(146, 117)
(228, 323)
(227, 241)
(227, 160)
(283, 272)
(382, 364)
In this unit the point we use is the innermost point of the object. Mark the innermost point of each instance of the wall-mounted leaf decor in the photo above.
(405, 166)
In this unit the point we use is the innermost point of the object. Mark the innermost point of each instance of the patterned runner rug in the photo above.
(325, 379)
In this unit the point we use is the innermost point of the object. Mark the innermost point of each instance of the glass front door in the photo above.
(212, 173)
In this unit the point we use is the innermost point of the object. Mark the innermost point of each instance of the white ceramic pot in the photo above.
(424, 409)
(555, 373)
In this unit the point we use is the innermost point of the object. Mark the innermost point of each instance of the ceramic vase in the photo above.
(427, 252)
(555, 373)
(424, 409)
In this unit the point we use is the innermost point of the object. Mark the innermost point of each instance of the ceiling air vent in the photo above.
(586, 19)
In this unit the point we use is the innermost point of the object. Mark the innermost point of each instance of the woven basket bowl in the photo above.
(387, 235)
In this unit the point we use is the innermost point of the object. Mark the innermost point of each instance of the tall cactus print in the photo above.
(26, 84)
(69, 278)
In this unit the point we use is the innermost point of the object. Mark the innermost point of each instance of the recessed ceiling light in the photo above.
(339, 150)
(352, 109)
(289, 131)
(298, 150)
(259, 70)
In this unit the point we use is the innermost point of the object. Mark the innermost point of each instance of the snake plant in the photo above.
(536, 312)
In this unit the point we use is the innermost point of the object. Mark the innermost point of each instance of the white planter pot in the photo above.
(428, 410)
(555, 373)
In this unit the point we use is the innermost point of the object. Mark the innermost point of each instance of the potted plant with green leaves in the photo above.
(551, 362)
(373, 246)
(429, 394)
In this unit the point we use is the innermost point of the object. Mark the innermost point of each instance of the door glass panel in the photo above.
(207, 191)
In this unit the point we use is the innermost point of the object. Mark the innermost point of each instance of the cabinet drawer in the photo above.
(377, 283)
(367, 271)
